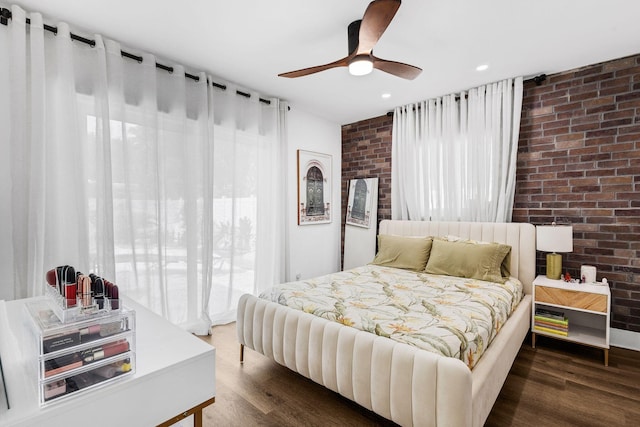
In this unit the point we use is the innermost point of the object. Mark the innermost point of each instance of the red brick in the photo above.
(621, 113)
(579, 136)
(597, 102)
(578, 85)
(588, 71)
(620, 64)
(584, 127)
(567, 106)
(617, 82)
(600, 109)
(555, 102)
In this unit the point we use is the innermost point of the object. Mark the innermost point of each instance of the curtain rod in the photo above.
(537, 79)
(5, 15)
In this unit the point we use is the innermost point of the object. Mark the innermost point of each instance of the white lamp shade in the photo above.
(554, 238)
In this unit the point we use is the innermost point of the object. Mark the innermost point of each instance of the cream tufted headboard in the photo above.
(520, 236)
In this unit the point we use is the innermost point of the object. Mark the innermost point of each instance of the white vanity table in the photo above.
(174, 378)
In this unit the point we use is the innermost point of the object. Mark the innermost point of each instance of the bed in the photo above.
(396, 380)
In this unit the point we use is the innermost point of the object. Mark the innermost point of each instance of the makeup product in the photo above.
(61, 369)
(51, 277)
(115, 298)
(105, 351)
(60, 341)
(59, 276)
(54, 389)
(102, 330)
(107, 329)
(80, 381)
(70, 286)
(126, 366)
(85, 286)
(61, 364)
(106, 371)
(108, 287)
(78, 283)
(89, 330)
(113, 369)
(97, 287)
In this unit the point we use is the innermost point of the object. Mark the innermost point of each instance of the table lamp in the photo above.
(554, 238)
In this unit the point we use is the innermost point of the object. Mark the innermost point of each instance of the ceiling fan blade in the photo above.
(399, 69)
(375, 21)
(344, 62)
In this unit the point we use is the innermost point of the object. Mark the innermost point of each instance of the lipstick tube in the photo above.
(69, 278)
(115, 297)
(70, 294)
(84, 286)
(105, 351)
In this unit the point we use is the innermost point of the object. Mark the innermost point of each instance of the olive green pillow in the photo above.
(468, 259)
(409, 253)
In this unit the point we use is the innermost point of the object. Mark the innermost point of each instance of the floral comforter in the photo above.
(451, 316)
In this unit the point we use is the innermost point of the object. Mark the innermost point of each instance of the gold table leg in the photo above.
(196, 411)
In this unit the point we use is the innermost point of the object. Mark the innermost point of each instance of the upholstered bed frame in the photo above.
(397, 381)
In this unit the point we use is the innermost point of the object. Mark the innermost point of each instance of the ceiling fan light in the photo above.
(360, 66)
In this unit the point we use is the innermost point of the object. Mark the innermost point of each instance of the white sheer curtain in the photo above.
(454, 157)
(145, 177)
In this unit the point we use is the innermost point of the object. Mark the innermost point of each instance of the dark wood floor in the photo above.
(555, 384)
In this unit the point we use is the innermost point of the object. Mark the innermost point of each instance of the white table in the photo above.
(174, 378)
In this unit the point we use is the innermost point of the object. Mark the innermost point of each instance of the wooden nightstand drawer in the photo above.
(575, 299)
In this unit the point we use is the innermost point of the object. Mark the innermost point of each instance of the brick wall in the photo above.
(578, 162)
(366, 153)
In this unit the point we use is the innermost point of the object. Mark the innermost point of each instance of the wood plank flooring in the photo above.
(555, 384)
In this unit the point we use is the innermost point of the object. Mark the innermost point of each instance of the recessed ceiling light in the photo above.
(482, 67)
(386, 95)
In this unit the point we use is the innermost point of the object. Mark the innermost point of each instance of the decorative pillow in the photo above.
(468, 259)
(409, 253)
(505, 267)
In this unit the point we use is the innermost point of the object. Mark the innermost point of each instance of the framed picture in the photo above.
(359, 202)
(314, 188)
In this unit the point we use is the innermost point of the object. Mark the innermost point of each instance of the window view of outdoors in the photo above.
(150, 213)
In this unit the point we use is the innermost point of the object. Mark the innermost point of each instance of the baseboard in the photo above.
(625, 339)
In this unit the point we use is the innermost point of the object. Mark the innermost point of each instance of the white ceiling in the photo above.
(249, 42)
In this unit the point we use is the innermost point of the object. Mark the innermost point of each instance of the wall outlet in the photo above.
(298, 276)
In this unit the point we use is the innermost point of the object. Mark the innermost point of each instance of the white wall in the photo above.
(625, 339)
(313, 250)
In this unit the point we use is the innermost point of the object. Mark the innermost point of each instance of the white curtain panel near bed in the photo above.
(454, 157)
(145, 177)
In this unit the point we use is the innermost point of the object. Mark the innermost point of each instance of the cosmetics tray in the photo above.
(80, 311)
(68, 359)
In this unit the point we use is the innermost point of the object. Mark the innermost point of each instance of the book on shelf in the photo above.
(564, 328)
(551, 331)
(551, 314)
(564, 322)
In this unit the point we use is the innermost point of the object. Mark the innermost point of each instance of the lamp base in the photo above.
(554, 266)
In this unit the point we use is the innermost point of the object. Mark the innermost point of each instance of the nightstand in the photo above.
(586, 306)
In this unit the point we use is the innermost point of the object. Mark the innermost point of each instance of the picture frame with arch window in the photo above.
(359, 201)
(314, 188)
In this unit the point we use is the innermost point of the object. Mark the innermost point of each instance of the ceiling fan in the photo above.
(363, 35)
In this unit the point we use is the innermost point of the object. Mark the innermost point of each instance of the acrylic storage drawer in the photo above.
(71, 358)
